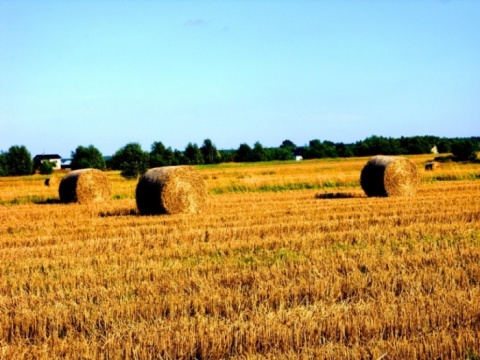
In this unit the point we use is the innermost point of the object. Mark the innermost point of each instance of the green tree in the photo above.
(46, 168)
(258, 153)
(19, 161)
(415, 145)
(193, 154)
(319, 150)
(464, 150)
(209, 152)
(344, 150)
(444, 146)
(244, 153)
(131, 160)
(376, 145)
(227, 155)
(3, 164)
(160, 155)
(179, 158)
(289, 145)
(285, 151)
(87, 157)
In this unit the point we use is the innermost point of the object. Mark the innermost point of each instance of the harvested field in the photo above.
(263, 272)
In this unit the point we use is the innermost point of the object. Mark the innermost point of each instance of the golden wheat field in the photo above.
(287, 261)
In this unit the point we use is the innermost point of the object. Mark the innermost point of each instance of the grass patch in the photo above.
(291, 186)
(32, 199)
(451, 177)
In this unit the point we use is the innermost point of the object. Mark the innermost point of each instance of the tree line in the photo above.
(132, 160)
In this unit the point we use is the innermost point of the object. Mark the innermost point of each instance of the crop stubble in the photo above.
(263, 274)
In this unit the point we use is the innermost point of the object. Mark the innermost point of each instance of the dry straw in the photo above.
(171, 190)
(432, 166)
(52, 181)
(84, 186)
(389, 176)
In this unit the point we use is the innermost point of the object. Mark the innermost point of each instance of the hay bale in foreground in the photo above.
(170, 190)
(84, 186)
(52, 181)
(389, 176)
(432, 166)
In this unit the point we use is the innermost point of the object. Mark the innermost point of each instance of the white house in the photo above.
(55, 159)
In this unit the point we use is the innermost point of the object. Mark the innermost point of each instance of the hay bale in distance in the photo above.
(389, 176)
(52, 181)
(84, 186)
(170, 190)
(432, 166)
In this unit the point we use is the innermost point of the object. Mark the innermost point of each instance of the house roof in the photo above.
(47, 156)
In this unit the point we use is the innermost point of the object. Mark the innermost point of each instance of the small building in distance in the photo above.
(55, 159)
(67, 164)
(299, 152)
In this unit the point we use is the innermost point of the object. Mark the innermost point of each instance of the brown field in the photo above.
(288, 261)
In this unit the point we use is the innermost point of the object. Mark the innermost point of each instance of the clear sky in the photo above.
(107, 72)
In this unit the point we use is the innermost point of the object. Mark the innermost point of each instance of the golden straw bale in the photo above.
(85, 186)
(171, 190)
(432, 166)
(389, 176)
(52, 181)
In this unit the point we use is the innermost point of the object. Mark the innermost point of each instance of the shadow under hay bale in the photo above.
(170, 190)
(338, 195)
(432, 166)
(389, 176)
(84, 186)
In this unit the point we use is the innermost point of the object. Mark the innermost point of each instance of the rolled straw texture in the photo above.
(432, 166)
(171, 190)
(85, 186)
(389, 176)
(52, 181)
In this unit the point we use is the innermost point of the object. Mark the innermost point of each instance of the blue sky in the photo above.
(107, 72)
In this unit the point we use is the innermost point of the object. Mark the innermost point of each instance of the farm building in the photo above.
(67, 164)
(55, 159)
(299, 152)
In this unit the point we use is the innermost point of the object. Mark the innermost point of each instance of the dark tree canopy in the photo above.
(18, 161)
(258, 153)
(3, 164)
(193, 154)
(131, 160)
(161, 156)
(46, 168)
(288, 144)
(209, 152)
(244, 153)
(464, 150)
(318, 150)
(87, 157)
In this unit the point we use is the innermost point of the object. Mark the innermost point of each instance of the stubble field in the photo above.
(288, 260)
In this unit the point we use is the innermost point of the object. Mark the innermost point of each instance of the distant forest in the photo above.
(132, 160)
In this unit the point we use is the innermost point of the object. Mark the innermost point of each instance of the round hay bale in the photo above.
(170, 190)
(432, 166)
(52, 181)
(389, 176)
(84, 186)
